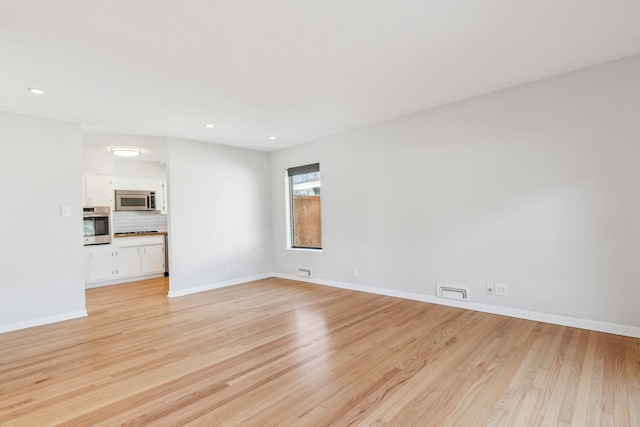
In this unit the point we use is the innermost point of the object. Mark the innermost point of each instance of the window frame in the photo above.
(289, 225)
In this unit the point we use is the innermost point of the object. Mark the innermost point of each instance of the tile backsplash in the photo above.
(138, 221)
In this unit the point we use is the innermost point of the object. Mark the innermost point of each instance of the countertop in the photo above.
(151, 233)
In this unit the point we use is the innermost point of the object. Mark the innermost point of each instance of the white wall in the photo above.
(536, 187)
(220, 215)
(42, 267)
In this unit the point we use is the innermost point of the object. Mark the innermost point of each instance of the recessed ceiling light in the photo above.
(35, 91)
(272, 138)
(126, 151)
(209, 125)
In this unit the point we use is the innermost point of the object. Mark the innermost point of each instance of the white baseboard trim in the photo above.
(574, 322)
(121, 281)
(217, 285)
(42, 321)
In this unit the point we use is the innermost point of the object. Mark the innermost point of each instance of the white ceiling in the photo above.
(296, 69)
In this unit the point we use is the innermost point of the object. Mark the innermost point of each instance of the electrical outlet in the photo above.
(356, 272)
(501, 289)
(490, 288)
(227, 269)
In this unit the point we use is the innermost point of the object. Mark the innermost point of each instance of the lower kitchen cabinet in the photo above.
(98, 263)
(128, 262)
(152, 259)
(124, 260)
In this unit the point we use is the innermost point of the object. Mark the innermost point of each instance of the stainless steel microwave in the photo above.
(135, 200)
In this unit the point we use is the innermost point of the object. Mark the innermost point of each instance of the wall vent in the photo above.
(303, 271)
(453, 292)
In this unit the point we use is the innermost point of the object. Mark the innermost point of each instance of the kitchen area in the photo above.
(125, 210)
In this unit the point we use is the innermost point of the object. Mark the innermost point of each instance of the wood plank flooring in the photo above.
(284, 353)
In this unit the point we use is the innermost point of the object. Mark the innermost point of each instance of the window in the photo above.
(305, 226)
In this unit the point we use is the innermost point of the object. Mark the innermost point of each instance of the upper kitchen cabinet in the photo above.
(145, 184)
(161, 197)
(98, 190)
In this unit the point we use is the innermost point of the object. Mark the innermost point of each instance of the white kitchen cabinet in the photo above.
(128, 262)
(140, 255)
(98, 190)
(161, 197)
(98, 263)
(126, 259)
(152, 258)
(130, 183)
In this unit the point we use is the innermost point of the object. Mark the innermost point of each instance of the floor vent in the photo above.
(303, 271)
(453, 292)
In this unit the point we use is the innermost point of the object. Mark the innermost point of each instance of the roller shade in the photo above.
(301, 170)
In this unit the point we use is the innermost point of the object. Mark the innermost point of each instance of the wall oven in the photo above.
(97, 229)
(135, 200)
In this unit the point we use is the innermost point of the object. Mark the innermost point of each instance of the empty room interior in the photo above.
(410, 213)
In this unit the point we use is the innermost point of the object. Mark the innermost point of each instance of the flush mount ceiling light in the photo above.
(272, 138)
(35, 91)
(209, 125)
(126, 151)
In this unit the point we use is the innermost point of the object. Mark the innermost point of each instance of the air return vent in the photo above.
(453, 292)
(303, 271)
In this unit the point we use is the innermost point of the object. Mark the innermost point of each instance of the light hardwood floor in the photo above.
(278, 352)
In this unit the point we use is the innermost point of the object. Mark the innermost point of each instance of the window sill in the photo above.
(305, 251)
